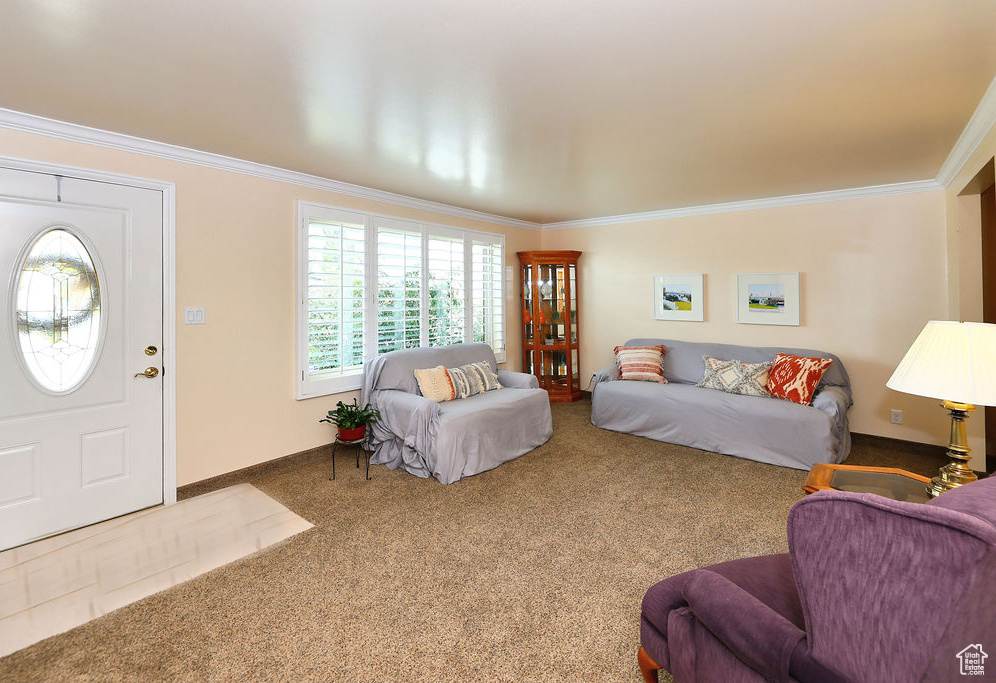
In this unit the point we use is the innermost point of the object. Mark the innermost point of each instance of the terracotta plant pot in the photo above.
(352, 434)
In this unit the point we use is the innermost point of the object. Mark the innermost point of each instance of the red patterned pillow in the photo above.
(641, 363)
(794, 378)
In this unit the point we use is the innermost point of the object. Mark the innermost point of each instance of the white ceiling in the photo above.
(543, 110)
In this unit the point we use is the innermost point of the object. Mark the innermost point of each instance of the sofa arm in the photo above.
(609, 374)
(832, 400)
(409, 417)
(757, 635)
(517, 380)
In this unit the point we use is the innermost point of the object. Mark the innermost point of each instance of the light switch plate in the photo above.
(193, 316)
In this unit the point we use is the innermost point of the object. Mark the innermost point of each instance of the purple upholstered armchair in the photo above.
(871, 590)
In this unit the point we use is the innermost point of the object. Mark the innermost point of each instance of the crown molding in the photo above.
(750, 204)
(73, 132)
(30, 123)
(977, 128)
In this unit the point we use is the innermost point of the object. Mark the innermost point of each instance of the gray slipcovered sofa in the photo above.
(458, 438)
(768, 430)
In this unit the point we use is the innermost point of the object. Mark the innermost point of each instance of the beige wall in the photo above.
(236, 258)
(964, 264)
(873, 271)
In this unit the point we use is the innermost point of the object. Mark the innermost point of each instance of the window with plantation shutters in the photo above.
(487, 286)
(372, 284)
(399, 286)
(447, 291)
(334, 297)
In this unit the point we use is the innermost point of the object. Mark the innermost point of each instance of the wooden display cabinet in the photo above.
(550, 321)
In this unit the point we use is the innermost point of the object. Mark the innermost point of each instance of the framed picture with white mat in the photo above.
(768, 298)
(678, 297)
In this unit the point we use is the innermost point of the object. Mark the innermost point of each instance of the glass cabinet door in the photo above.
(554, 367)
(527, 303)
(573, 322)
(552, 311)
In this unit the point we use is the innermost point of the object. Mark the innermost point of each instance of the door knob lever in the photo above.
(148, 372)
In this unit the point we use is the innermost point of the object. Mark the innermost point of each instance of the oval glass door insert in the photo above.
(58, 311)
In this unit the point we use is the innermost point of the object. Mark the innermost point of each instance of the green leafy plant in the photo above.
(351, 416)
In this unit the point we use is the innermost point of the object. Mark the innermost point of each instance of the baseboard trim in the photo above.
(238, 476)
(325, 451)
(899, 445)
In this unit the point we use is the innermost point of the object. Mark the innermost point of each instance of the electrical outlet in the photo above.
(896, 417)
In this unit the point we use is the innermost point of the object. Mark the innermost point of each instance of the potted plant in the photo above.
(351, 420)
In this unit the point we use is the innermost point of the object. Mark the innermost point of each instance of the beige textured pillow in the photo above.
(736, 377)
(435, 384)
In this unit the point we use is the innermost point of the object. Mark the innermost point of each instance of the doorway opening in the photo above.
(977, 207)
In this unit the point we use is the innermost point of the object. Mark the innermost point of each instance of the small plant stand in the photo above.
(360, 446)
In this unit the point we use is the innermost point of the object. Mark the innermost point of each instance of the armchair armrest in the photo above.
(410, 417)
(759, 637)
(519, 380)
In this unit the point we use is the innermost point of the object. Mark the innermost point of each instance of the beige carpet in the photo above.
(533, 571)
(56, 584)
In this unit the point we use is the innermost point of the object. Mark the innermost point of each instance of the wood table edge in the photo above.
(821, 474)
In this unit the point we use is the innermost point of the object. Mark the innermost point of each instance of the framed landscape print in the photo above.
(678, 297)
(768, 298)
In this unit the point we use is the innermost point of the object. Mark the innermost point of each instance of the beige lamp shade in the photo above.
(950, 361)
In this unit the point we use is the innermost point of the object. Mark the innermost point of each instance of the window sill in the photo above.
(327, 387)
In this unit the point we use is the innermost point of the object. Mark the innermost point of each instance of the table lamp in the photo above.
(955, 362)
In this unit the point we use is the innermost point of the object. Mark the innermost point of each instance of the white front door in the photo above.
(81, 436)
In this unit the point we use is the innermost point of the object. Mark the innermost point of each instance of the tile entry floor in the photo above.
(50, 586)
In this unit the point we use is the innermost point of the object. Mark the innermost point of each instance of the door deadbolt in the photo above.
(151, 350)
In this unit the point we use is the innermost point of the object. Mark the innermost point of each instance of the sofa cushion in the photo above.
(777, 432)
(795, 378)
(481, 432)
(641, 363)
(735, 377)
(435, 384)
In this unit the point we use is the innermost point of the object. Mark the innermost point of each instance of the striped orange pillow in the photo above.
(641, 363)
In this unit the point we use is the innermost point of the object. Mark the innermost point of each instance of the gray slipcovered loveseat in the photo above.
(768, 430)
(457, 438)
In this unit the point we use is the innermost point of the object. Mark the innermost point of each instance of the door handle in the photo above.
(148, 372)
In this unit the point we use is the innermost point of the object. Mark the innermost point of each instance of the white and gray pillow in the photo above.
(735, 377)
(473, 379)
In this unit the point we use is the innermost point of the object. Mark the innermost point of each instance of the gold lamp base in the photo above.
(956, 472)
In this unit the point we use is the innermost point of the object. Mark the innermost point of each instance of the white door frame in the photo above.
(169, 291)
